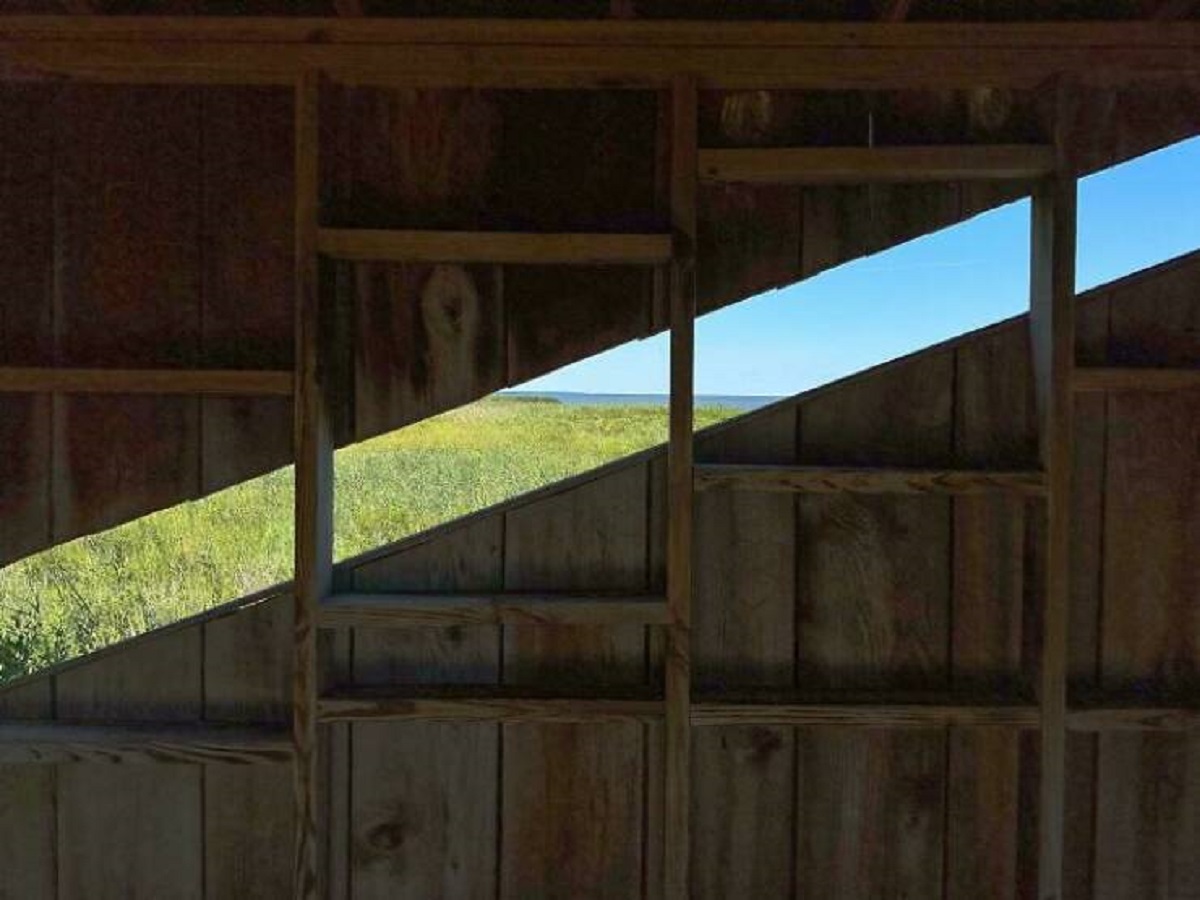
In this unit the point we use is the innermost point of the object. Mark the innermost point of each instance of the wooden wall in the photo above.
(150, 227)
(841, 592)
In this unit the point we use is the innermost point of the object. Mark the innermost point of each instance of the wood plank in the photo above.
(847, 714)
(248, 810)
(534, 249)
(314, 489)
(836, 480)
(677, 758)
(1052, 337)
(443, 610)
(873, 612)
(574, 801)
(27, 116)
(496, 53)
(744, 637)
(1137, 718)
(424, 794)
(1132, 379)
(134, 831)
(867, 165)
(248, 296)
(987, 824)
(145, 381)
(124, 743)
(137, 201)
(366, 705)
(28, 821)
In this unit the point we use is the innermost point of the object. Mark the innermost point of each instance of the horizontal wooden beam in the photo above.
(1131, 378)
(866, 165)
(64, 742)
(867, 480)
(597, 54)
(416, 610)
(224, 382)
(495, 247)
(1134, 718)
(869, 715)
(495, 704)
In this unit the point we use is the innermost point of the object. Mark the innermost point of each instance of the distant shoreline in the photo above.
(579, 398)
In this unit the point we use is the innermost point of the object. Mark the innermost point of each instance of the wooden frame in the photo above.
(442, 610)
(208, 382)
(635, 54)
(867, 480)
(495, 247)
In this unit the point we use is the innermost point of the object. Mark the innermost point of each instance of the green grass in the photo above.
(97, 590)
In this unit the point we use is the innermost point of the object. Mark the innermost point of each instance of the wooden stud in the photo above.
(1052, 334)
(1092, 379)
(495, 247)
(443, 610)
(864, 165)
(314, 488)
(214, 382)
(855, 480)
(677, 759)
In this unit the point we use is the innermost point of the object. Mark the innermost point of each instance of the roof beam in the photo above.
(633, 54)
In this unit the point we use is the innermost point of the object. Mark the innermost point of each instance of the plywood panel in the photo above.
(424, 795)
(573, 795)
(248, 810)
(134, 832)
(743, 779)
(247, 274)
(116, 211)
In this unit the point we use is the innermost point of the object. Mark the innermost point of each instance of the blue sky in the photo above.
(875, 309)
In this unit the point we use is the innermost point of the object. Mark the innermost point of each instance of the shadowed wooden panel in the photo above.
(557, 778)
(247, 259)
(26, 315)
(133, 831)
(743, 777)
(28, 825)
(138, 200)
(423, 803)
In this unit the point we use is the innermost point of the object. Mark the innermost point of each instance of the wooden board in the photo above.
(26, 316)
(248, 810)
(987, 829)
(873, 610)
(28, 825)
(134, 831)
(423, 797)
(139, 200)
(743, 778)
(247, 275)
(561, 781)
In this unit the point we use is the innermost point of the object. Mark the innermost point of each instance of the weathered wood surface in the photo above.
(441, 610)
(200, 182)
(841, 593)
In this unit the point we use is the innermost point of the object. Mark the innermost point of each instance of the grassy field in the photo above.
(97, 590)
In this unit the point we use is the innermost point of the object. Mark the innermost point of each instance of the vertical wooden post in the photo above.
(1052, 334)
(314, 488)
(684, 175)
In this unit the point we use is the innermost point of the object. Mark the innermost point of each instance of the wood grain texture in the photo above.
(862, 165)
(63, 742)
(424, 794)
(248, 293)
(531, 249)
(114, 310)
(145, 381)
(743, 778)
(444, 610)
(873, 609)
(1136, 380)
(837, 480)
(134, 831)
(28, 794)
(249, 812)
(555, 776)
